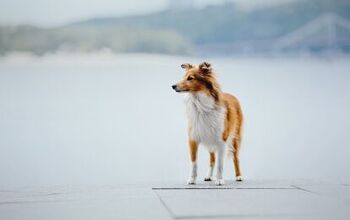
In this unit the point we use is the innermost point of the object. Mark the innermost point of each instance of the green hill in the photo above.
(86, 39)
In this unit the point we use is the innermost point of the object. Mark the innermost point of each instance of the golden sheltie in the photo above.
(215, 120)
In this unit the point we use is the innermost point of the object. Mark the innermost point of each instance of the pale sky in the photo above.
(56, 12)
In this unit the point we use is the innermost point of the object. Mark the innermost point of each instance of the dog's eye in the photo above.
(190, 78)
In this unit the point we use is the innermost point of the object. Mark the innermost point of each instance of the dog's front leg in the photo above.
(211, 167)
(193, 156)
(220, 165)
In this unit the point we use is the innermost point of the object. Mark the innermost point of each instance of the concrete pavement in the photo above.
(251, 199)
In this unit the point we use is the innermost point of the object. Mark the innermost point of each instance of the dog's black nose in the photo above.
(173, 86)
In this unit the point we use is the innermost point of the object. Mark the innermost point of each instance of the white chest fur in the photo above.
(206, 120)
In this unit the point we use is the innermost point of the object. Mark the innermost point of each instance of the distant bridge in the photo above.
(327, 32)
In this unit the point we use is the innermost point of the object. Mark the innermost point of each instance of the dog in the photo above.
(215, 120)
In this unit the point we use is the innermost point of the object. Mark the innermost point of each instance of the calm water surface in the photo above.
(108, 119)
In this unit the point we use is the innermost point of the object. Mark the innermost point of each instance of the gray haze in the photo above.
(52, 12)
(107, 119)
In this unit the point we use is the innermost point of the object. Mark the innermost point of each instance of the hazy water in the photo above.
(103, 119)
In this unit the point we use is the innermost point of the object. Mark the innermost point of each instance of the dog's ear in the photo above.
(205, 67)
(186, 66)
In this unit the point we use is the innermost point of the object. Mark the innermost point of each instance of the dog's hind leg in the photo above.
(236, 146)
(193, 147)
(211, 167)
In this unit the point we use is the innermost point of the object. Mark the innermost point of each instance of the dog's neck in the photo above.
(201, 102)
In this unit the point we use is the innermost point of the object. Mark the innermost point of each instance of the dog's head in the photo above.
(197, 78)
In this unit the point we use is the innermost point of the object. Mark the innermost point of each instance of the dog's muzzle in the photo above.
(175, 88)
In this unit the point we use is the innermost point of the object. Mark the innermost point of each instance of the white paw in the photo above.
(209, 178)
(219, 182)
(239, 178)
(191, 181)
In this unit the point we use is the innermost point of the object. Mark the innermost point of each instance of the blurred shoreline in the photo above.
(106, 56)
